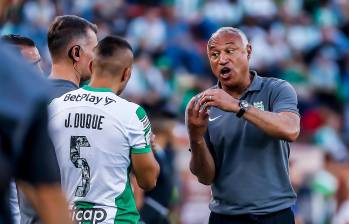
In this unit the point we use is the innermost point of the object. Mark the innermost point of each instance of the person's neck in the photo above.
(237, 91)
(65, 72)
(104, 83)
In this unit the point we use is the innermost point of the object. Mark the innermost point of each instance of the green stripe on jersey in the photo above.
(147, 129)
(142, 117)
(141, 114)
(84, 204)
(141, 150)
(126, 206)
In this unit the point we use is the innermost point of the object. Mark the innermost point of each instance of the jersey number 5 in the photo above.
(75, 143)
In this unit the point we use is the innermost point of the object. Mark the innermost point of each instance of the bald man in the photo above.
(239, 133)
(99, 137)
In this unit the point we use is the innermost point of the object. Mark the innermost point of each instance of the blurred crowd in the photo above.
(305, 42)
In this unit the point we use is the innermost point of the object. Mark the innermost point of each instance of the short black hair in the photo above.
(111, 55)
(15, 39)
(63, 30)
(109, 45)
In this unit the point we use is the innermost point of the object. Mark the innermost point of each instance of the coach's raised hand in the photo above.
(196, 119)
(219, 98)
(201, 163)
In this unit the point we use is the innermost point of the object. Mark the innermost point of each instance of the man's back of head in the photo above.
(71, 40)
(18, 40)
(113, 61)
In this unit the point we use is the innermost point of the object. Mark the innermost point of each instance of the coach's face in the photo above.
(229, 58)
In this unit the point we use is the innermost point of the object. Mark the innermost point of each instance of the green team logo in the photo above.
(259, 105)
(142, 116)
(85, 213)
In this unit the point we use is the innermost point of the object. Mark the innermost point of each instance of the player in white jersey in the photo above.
(99, 138)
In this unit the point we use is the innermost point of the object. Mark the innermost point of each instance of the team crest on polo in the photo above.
(259, 105)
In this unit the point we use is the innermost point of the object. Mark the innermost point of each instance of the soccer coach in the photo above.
(239, 134)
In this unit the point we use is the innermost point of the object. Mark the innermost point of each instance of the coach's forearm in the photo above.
(283, 125)
(201, 163)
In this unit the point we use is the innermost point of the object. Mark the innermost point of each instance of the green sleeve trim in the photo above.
(141, 150)
(141, 114)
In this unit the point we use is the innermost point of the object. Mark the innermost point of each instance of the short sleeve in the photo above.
(284, 98)
(139, 132)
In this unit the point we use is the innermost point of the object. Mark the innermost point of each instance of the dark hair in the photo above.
(109, 45)
(63, 30)
(15, 39)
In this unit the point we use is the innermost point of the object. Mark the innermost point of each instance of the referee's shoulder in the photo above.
(64, 95)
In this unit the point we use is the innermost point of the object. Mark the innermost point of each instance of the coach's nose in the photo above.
(223, 59)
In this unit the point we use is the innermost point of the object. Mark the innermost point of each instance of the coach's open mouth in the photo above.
(225, 72)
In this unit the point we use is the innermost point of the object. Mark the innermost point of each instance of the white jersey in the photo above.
(94, 133)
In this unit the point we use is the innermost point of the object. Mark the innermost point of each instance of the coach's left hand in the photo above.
(220, 99)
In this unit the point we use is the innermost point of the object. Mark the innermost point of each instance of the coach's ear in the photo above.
(249, 51)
